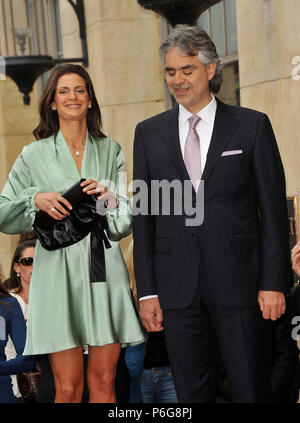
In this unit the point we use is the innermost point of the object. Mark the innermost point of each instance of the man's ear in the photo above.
(211, 70)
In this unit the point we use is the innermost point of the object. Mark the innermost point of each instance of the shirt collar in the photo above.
(207, 113)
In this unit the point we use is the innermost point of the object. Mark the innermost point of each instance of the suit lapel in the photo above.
(225, 122)
(224, 125)
(170, 136)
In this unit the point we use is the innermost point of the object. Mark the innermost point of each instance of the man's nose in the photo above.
(178, 78)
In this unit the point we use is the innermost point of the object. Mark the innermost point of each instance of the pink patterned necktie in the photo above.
(192, 152)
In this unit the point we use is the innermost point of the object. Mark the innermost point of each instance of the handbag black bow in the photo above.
(83, 219)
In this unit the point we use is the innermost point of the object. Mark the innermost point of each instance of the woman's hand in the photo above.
(295, 257)
(49, 202)
(93, 187)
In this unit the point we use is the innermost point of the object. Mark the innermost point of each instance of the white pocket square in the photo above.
(231, 153)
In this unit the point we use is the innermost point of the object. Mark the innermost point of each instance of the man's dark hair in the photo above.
(193, 41)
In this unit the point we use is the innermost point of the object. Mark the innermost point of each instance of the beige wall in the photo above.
(268, 39)
(16, 120)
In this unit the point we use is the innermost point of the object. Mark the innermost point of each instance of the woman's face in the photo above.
(24, 270)
(71, 99)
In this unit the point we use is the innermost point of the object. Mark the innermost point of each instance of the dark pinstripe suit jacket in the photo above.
(242, 245)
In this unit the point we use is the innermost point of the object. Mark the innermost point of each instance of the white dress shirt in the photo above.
(204, 129)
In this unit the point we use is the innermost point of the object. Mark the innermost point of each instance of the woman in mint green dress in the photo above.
(66, 310)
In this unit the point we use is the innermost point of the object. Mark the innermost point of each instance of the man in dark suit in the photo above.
(224, 276)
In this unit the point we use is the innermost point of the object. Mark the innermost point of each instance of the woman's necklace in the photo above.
(76, 150)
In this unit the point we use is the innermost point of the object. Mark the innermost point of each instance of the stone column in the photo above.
(16, 124)
(268, 46)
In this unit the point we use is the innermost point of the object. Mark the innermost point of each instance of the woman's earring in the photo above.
(18, 275)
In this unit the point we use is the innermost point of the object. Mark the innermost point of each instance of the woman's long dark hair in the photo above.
(14, 282)
(49, 123)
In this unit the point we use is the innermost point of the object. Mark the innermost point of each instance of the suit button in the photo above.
(193, 234)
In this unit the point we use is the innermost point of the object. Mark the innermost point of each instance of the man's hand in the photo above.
(272, 304)
(151, 314)
(295, 257)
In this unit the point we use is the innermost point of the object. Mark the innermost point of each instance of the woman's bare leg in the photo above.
(67, 368)
(101, 374)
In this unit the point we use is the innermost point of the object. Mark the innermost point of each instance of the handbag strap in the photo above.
(98, 238)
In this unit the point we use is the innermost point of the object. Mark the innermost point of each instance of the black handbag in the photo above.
(82, 220)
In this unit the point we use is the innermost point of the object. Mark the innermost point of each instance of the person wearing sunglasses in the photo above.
(12, 324)
(21, 271)
(18, 286)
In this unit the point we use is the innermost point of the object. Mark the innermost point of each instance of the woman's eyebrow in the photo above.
(77, 86)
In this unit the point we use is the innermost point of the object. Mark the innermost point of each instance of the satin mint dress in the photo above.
(66, 309)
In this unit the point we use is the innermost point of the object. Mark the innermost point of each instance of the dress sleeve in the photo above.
(120, 219)
(17, 208)
(16, 327)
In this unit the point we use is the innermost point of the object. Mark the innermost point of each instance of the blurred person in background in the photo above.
(12, 324)
(18, 286)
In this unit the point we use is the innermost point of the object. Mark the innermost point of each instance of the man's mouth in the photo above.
(180, 91)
